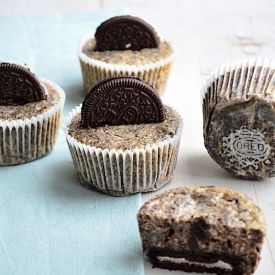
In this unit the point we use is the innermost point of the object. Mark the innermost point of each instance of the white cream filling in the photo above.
(218, 264)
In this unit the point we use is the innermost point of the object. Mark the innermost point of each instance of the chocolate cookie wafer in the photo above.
(125, 32)
(122, 100)
(19, 85)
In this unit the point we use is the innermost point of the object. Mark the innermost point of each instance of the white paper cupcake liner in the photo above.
(93, 71)
(239, 118)
(26, 140)
(238, 80)
(120, 173)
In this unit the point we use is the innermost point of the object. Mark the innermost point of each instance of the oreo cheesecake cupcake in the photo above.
(122, 139)
(30, 114)
(203, 229)
(239, 117)
(125, 45)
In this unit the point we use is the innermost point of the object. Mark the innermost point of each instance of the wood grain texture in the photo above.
(205, 34)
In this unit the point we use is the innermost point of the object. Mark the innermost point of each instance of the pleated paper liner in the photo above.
(120, 173)
(26, 140)
(239, 117)
(93, 71)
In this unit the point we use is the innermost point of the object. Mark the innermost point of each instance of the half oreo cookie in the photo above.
(18, 85)
(125, 33)
(121, 100)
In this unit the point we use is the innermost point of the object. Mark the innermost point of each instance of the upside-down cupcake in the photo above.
(30, 114)
(239, 117)
(123, 140)
(125, 45)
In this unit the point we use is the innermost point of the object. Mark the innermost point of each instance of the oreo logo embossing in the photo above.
(246, 147)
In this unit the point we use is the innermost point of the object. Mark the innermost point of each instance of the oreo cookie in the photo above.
(18, 85)
(121, 100)
(125, 33)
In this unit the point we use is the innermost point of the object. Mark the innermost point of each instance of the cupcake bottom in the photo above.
(241, 139)
(22, 141)
(120, 173)
(239, 118)
(157, 77)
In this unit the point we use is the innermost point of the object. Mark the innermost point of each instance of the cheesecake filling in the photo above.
(218, 264)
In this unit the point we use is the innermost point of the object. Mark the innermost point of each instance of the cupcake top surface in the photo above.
(125, 137)
(129, 57)
(31, 109)
(216, 205)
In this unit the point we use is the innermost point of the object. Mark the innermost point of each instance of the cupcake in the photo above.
(30, 114)
(123, 139)
(202, 229)
(125, 45)
(239, 117)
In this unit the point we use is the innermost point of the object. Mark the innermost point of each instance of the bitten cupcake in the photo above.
(239, 118)
(203, 229)
(125, 45)
(30, 112)
(123, 139)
